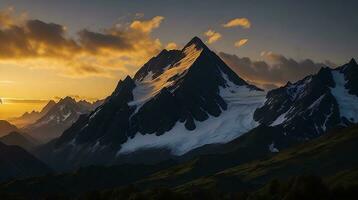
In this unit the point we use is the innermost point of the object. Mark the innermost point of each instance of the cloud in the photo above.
(34, 39)
(6, 82)
(94, 41)
(274, 70)
(6, 18)
(139, 15)
(240, 43)
(171, 45)
(212, 36)
(243, 22)
(37, 44)
(147, 26)
(26, 101)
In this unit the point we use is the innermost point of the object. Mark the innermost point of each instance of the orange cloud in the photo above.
(147, 26)
(240, 43)
(243, 22)
(171, 45)
(212, 36)
(7, 17)
(37, 44)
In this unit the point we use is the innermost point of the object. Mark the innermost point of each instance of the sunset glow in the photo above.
(43, 58)
(178, 99)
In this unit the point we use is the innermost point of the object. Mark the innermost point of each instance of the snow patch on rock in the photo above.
(149, 87)
(272, 148)
(236, 120)
(347, 103)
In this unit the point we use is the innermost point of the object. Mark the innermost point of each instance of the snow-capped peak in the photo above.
(315, 104)
(150, 85)
(176, 95)
(197, 42)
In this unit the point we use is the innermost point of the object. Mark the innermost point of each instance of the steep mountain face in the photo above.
(309, 107)
(57, 119)
(178, 100)
(31, 117)
(19, 139)
(15, 162)
(6, 128)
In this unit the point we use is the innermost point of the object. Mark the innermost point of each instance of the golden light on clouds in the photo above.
(171, 46)
(36, 44)
(242, 22)
(240, 43)
(212, 36)
(8, 18)
(147, 26)
(37, 56)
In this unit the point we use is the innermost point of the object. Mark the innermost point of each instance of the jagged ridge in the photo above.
(174, 90)
(315, 104)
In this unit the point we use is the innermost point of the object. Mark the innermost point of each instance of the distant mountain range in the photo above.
(31, 117)
(57, 117)
(6, 128)
(184, 103)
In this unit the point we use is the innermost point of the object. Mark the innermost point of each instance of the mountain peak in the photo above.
(164, 51)
(197, 42)
(67, 99)
(128, 78)
(51, 102)
(128, 82)
(48, 106)
(352, 62)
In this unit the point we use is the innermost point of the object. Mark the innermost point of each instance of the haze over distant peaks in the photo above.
(57, 117)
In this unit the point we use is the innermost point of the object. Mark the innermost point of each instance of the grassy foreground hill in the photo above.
(319, 169)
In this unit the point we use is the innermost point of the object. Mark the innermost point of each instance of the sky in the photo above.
(52, 49)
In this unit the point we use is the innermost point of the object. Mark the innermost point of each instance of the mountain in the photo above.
(19, 139)
(178, 101)
(6, 128)
(58, 118)
(31, 117)
(97, 103)
(308, 108)
(320, 157)
(15, 162)
(325, 156)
